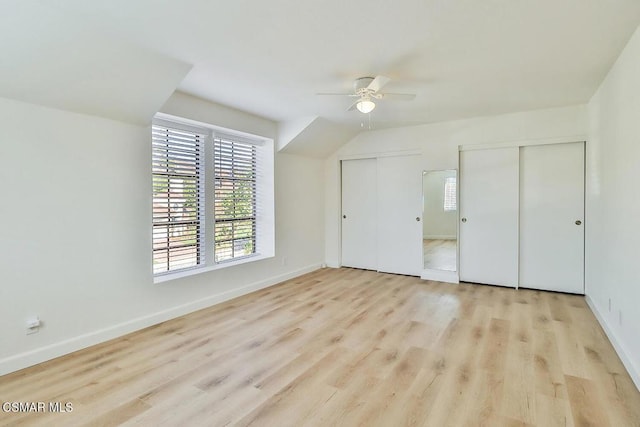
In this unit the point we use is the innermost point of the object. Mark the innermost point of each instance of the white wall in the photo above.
(75, 229)
(613, 205)
(439, 146)
(436, 222)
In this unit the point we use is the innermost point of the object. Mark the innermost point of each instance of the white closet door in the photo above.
(489, 216)
(551, 217)
(359, 214)
(400, 215)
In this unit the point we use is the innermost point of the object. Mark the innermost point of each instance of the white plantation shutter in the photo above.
(235, 175)
(178, 196)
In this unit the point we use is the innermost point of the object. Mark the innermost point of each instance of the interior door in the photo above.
(359, 214)
(400, 215)
(489, 216)
(551, 217)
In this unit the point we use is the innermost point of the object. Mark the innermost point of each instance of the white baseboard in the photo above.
(42, 354)
(634, 373)
(439, 237)
(440, 275)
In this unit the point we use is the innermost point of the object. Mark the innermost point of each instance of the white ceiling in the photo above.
(48, 59)
(462, 58)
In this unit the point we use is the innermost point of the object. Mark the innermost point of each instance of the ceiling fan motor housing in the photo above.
(360, 85)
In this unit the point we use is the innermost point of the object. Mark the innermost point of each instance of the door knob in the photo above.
(344, 216)
(418, 218)
(464, 220)
(578, 222)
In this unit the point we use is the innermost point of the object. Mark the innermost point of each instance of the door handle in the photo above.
(464, 220)
(344, 216)
(418, 218)
(578, 222)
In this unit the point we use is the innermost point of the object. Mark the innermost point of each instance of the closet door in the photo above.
(551, 217)
(489, 216)
(400, 215)
(359, 214)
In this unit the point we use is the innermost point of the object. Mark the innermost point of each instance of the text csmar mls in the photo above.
(23, 407)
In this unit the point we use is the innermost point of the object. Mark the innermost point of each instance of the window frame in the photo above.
(263, 235)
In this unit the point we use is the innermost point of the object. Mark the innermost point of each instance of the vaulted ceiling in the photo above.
(462, 58)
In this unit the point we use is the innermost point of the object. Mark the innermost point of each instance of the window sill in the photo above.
(192, 272)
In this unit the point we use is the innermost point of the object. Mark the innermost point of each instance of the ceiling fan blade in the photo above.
(353, 106)
(378, 83)
(337, 94)
(399, 96)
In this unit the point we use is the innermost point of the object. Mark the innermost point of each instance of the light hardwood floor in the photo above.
(438, 254)
(348, 347)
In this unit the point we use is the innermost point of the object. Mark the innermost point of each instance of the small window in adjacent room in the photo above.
(212, 196)
(450, 202)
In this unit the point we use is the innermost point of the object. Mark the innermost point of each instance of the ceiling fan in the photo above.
(367, 89)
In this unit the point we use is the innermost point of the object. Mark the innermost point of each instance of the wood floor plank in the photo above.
(553, 411)
(390, 402)
(422, 394)
(283, 405)
(549, 376)
(586, 404)
(347, 347)
(347, 406)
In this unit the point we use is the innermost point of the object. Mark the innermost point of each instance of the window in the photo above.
(235, 199)
(177, 200)
(450, 199)
(212, 196)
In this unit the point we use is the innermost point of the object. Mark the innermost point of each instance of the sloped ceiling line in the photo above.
(51, 59)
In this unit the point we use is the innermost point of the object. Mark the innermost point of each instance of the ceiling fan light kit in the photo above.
(365, 105)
